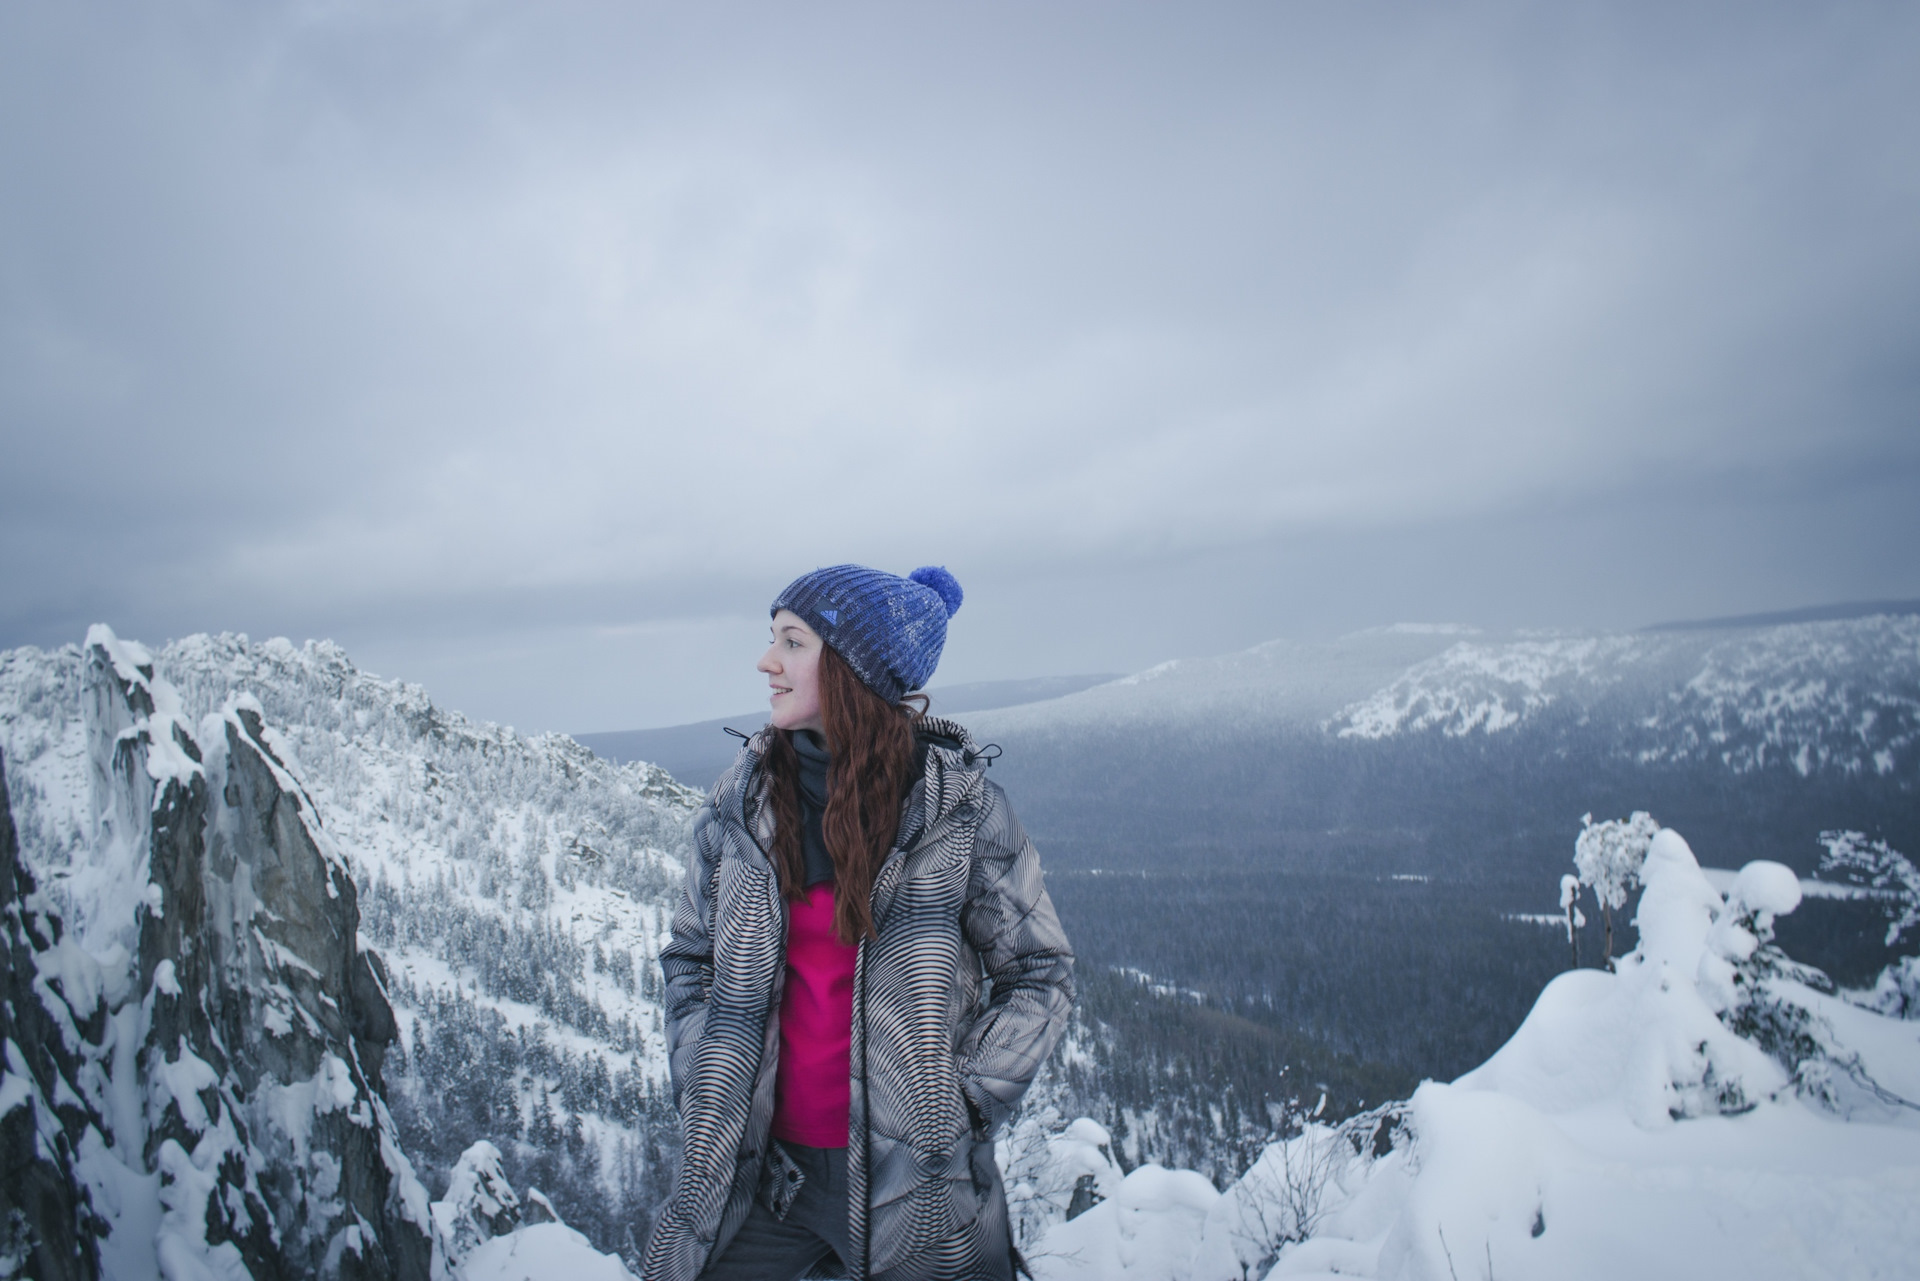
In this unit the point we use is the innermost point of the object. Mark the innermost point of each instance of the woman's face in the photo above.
(792, 665)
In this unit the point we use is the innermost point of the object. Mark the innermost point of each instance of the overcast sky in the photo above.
(527, 350)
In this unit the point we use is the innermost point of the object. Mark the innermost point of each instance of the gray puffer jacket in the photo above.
(957, 1002)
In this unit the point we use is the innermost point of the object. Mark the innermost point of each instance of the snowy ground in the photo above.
(1625, 1130)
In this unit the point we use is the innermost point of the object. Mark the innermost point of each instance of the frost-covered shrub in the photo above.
(1280, 1200)
(1886, 874)
(1778, 1004)
(1054, 1171)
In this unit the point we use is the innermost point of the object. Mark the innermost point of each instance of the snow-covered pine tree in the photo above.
(1608, 857)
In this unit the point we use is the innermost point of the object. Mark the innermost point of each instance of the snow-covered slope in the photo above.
(1277, 682)
(1493, 686)
(1832, 695)
(1711, 1110)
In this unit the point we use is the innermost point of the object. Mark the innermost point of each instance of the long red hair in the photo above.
(873, 757)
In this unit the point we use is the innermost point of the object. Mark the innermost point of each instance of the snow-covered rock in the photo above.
(261, 1019)
(512, 894)
(1146, 1229)
(480, 1205)
(542, 1252)
(1054, 1171)
(484, 1231)
(52, 1026)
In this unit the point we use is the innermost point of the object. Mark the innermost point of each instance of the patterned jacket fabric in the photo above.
(957, 1002)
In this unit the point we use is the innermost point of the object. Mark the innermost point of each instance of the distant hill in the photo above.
(1810, 614)
(695, 754)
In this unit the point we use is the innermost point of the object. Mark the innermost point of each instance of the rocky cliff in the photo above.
(199, 1059)
(517, 889)
(48, 1228)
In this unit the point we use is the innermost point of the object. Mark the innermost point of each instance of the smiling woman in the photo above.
(792, 665)
(865, 972)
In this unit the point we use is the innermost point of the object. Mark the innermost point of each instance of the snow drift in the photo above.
(1711, 1109)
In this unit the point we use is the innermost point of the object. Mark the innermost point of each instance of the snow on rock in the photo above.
(480, 1204)
(1146, 1229)
(1711, 1110)
(52, 1029)
(542, 1252)
(448, 838)
(276, 1151)
(219, 1029)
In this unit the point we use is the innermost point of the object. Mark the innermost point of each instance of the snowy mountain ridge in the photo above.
(1839, 694)
(1487, 687)
(1825, 695)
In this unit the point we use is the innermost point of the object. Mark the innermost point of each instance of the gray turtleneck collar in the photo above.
(814, 760)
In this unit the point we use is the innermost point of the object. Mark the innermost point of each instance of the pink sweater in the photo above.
(816, 1027)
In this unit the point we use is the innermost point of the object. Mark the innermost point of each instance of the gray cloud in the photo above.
(525, 348)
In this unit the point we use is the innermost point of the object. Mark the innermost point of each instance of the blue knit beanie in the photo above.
(889, 629)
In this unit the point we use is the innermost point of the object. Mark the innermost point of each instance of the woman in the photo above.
(865, 970)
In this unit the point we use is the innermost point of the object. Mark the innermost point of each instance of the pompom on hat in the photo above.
(889, 629)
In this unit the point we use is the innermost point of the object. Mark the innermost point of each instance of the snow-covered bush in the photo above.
(1608, 857)
(1281, 1199)
(1651, 1034)
(1896, 993)
(1054, 1171)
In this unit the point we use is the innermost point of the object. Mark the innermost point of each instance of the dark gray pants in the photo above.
(769, 1248)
